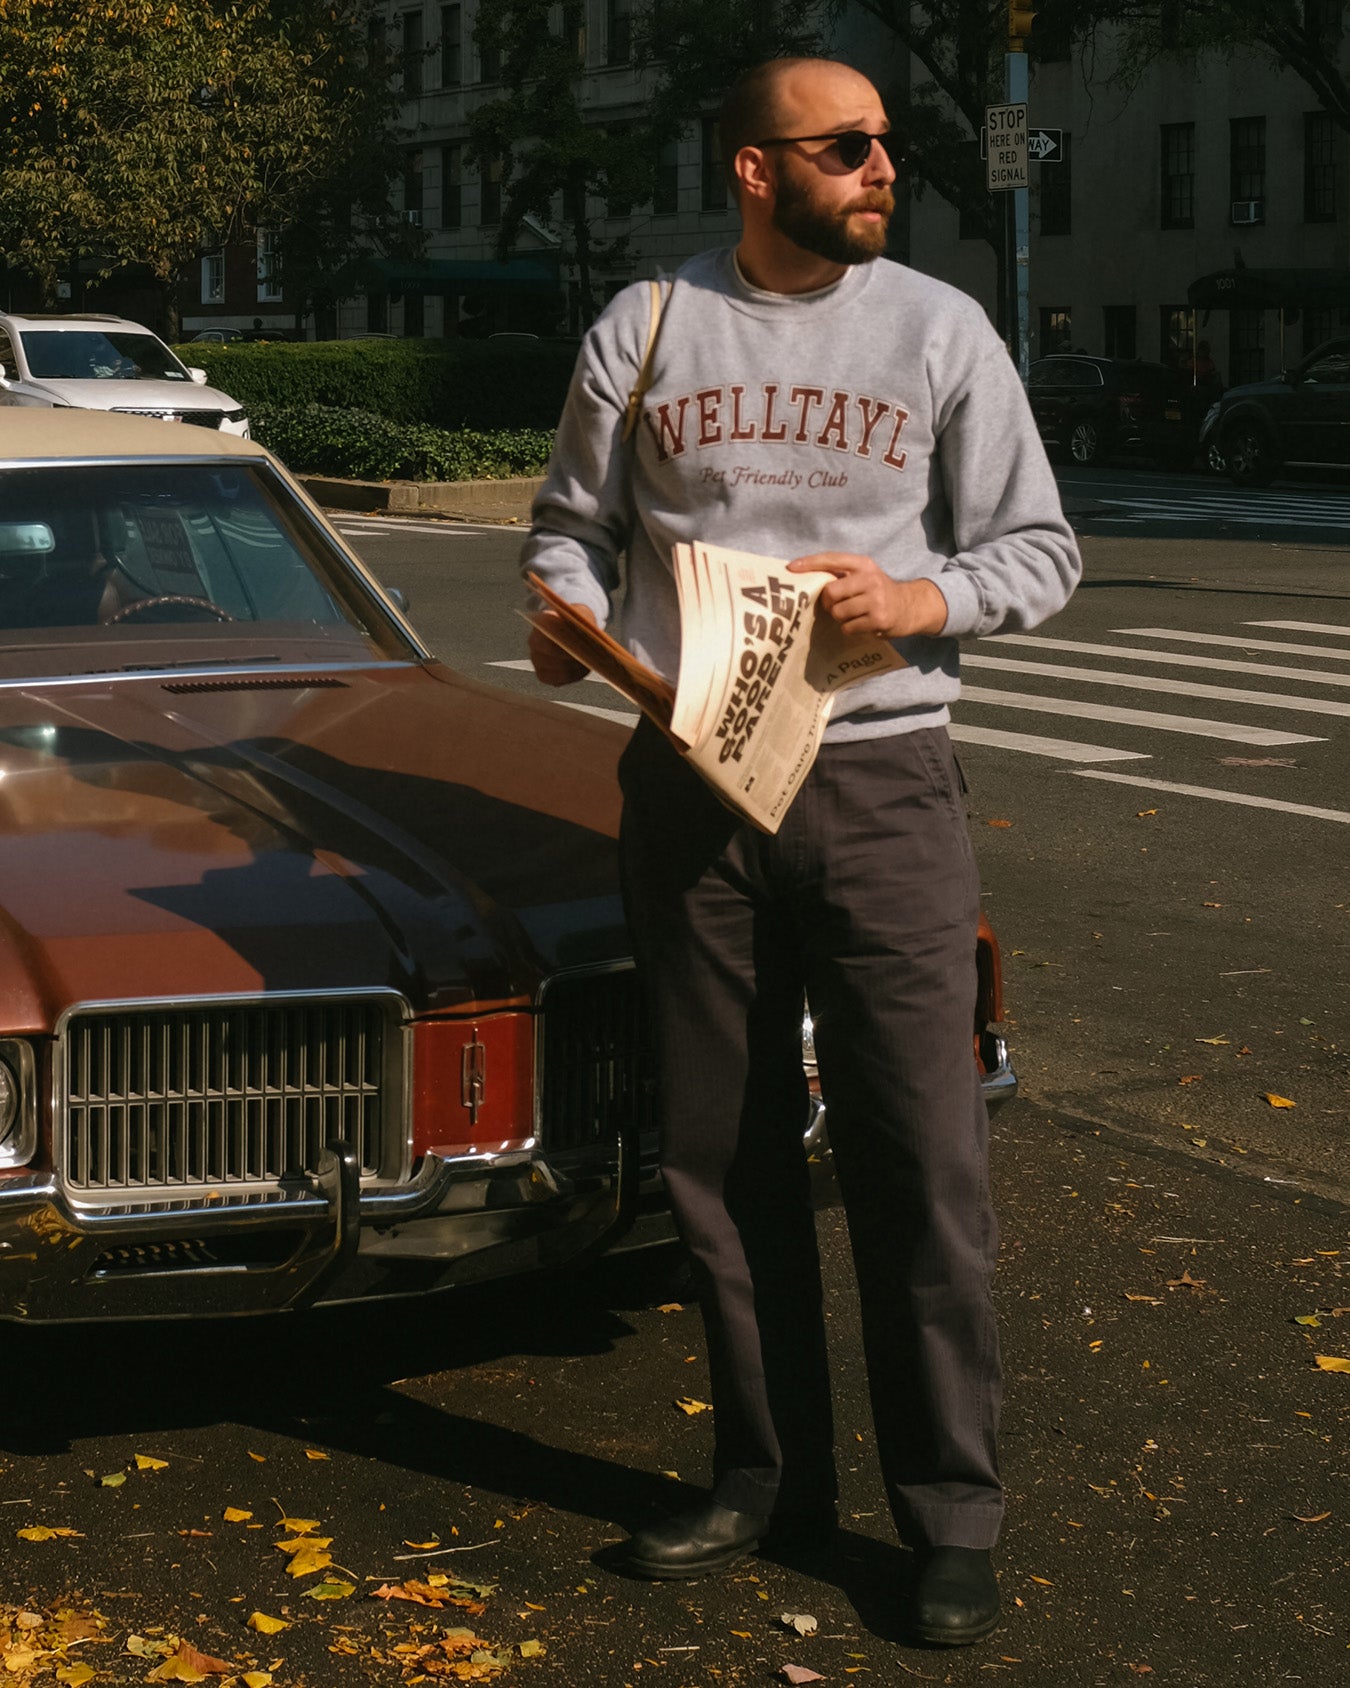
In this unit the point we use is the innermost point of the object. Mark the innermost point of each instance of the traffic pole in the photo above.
(1015, 90)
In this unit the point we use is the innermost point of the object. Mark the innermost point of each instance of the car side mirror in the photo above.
(398, 598)
(198, 377)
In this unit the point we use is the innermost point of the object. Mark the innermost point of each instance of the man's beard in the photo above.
(827, 232)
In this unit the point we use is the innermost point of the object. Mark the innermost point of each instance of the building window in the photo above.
(213, 278)
(666, 197)
(714, 197)
(1323, 325)
(1056, 330)
(269, 267)
(1118, 331)
(1246, 346)
(1176, 334)
(452, 186)
(412, 189)
(618, 31)
(574, 30)
(1178, 175)
(412, 54)
(1057, 193)
(490, 60)
(452, 60)
(1247, 169)
(490, 191)
(1319, 167)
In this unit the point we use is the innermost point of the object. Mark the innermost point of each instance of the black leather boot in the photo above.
(955, 1598)
(709, 1538)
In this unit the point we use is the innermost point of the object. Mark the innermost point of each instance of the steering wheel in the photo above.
(175, 599)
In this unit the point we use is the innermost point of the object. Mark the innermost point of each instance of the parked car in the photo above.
(106, 363)
(1300, 418)
(314, 982)
(1090, 408)
(215, 336)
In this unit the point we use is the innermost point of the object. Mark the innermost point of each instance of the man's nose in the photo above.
(878, 171)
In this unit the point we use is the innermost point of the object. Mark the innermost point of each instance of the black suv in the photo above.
(1300, 417)
(1089, 408)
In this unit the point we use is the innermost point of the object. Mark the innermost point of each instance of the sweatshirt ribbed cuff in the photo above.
(964, 612)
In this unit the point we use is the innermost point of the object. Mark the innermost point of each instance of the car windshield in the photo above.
(95, 354)
(119, 566)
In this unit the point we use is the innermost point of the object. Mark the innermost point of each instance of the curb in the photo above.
(492, 501)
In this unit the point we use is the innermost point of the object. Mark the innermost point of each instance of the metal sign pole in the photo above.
(1016, 93)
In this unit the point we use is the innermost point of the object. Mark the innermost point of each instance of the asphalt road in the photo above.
(1175, 1456)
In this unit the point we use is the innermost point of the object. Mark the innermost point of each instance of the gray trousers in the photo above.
(867, 900)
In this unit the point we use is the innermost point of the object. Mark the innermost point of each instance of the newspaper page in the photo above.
(770, 672)
(759, 671)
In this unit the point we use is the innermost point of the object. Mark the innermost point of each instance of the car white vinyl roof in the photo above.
(28, 434)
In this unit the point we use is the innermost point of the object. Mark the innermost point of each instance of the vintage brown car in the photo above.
(314, 983)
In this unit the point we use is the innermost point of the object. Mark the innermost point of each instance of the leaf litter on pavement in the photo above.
(38, 1643)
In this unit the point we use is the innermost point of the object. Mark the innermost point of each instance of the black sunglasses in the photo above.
(854, 146)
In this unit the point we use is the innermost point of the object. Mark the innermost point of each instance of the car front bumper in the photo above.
(327, 1242)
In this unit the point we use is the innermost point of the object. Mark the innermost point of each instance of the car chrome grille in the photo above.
(170, 413)
(596, 1070)
(227, 1096)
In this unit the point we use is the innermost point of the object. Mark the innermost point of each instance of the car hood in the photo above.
(111, 394)
(394, 827)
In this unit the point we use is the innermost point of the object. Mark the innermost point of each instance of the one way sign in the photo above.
(1045, 146)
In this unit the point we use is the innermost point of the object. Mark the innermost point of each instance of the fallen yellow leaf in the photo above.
(1317, 1517)
(532, 1649)
(305, 1564)
(44, 1532)
(313, 1453)
(423, 1546)
(303, 1544)
(1278, 1101)
(687, 1404)
(236, 1515)
(75, 1675)
(265, 1625)
(671, 1307)
(298, 1526)
(330, 1590)
(256, 1678)
(144, 1462)
(1325, 1362)
(261, 1458)
(1215, 1040)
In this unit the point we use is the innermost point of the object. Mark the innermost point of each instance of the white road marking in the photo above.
(1303, 627)
(1274, 646)
(1176, 659)
(609, 714)
(520, 662)
(1068, 750)
(1137, 717)
(384, 524)
(1158, 683)
(1215, 796)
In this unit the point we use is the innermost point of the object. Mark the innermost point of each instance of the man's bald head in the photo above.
(773, 98)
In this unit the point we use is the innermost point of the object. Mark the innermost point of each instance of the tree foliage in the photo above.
(148, 131)
(569, 165)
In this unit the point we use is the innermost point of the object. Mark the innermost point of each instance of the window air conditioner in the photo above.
(415, 218)
(1248, 211)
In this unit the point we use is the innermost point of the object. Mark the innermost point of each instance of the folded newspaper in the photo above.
(759, 670)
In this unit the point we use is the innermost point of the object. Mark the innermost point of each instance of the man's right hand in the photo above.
(553, 666)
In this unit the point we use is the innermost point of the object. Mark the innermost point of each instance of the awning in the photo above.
(535, 274)
(1270, 290)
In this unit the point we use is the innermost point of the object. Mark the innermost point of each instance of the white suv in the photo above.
(106, 363)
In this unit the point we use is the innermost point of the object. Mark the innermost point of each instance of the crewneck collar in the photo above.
(760, 300)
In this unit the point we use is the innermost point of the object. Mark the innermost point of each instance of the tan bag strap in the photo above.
(633, 410)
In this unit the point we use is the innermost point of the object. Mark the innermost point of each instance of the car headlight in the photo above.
(18, 1103)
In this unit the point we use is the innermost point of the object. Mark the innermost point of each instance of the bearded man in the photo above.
(811, 399)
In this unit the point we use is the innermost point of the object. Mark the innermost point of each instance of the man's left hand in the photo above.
(863, 598)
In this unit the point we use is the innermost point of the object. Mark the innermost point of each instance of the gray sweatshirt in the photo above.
(880, 416)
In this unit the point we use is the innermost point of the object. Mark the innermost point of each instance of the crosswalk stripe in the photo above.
(1303, 627)
(1144, 511)
(1157, 683)
(1210, 792)
(1069, 750)
(1176, 659)
(1137, 717)
(1274, 646)
(628, 720)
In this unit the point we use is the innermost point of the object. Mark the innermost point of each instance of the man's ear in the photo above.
(754, 174)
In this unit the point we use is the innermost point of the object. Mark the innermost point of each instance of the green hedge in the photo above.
(446, 383)
(316, 439)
